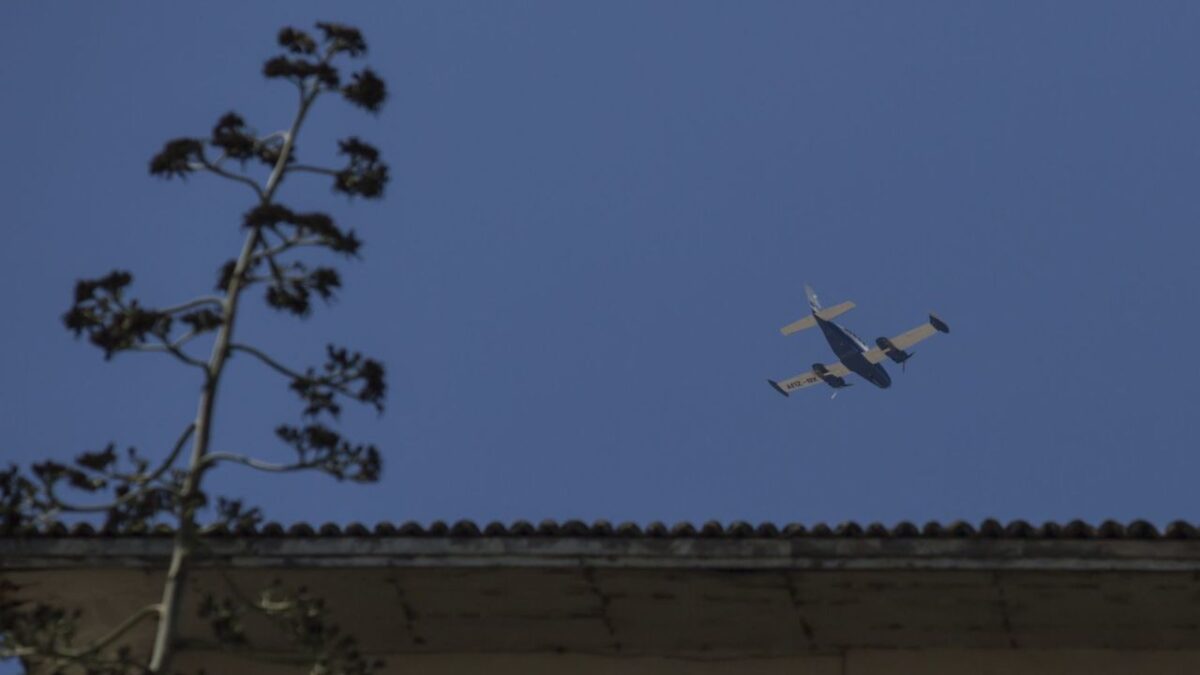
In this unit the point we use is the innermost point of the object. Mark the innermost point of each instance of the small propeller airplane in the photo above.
(853, 354)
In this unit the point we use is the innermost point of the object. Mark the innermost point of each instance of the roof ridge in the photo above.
(989, 528)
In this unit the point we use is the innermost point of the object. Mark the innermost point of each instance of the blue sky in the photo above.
(602, 213)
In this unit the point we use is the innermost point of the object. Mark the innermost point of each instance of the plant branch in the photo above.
(216, 457)
(116, 633)
(238, 178)
(170, 460)
(303, 168)
(191, 304)
(173, 348)
(290, 373)
(272, 363)
(95, 645)
(287, 245)
(142, 482)
(147, 478)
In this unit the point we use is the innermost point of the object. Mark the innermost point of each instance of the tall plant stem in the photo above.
(185, 533)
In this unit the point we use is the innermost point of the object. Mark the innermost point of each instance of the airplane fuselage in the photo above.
(851, 351)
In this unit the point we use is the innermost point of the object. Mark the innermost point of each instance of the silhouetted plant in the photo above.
(130, 492)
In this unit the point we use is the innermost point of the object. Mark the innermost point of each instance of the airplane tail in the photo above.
(817, 312)
(813, 302)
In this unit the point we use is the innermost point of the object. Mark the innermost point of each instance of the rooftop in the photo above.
(988, 529)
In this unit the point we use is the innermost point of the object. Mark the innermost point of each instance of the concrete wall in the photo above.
(856, 662)
(530, 606)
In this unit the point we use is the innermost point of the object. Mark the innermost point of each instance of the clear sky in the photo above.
(602, 213)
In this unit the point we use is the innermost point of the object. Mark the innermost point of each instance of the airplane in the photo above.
(853, 354)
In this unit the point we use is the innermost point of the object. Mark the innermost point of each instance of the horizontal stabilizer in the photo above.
(810, 321)
(797, 326)
(830, 312)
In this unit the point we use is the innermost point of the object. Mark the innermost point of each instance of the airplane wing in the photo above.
(808, 379)
(909, 338)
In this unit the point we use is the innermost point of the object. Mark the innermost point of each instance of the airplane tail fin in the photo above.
(813, 302)
(817, 312)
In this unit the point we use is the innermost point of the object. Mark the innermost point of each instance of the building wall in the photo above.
(822, 605)
(856, 662)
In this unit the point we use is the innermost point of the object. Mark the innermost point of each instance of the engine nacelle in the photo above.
(828, 377)
(893, 352)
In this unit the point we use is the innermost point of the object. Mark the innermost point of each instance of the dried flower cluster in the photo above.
(365, 175)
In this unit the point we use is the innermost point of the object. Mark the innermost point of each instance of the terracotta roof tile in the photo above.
(988, 529)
